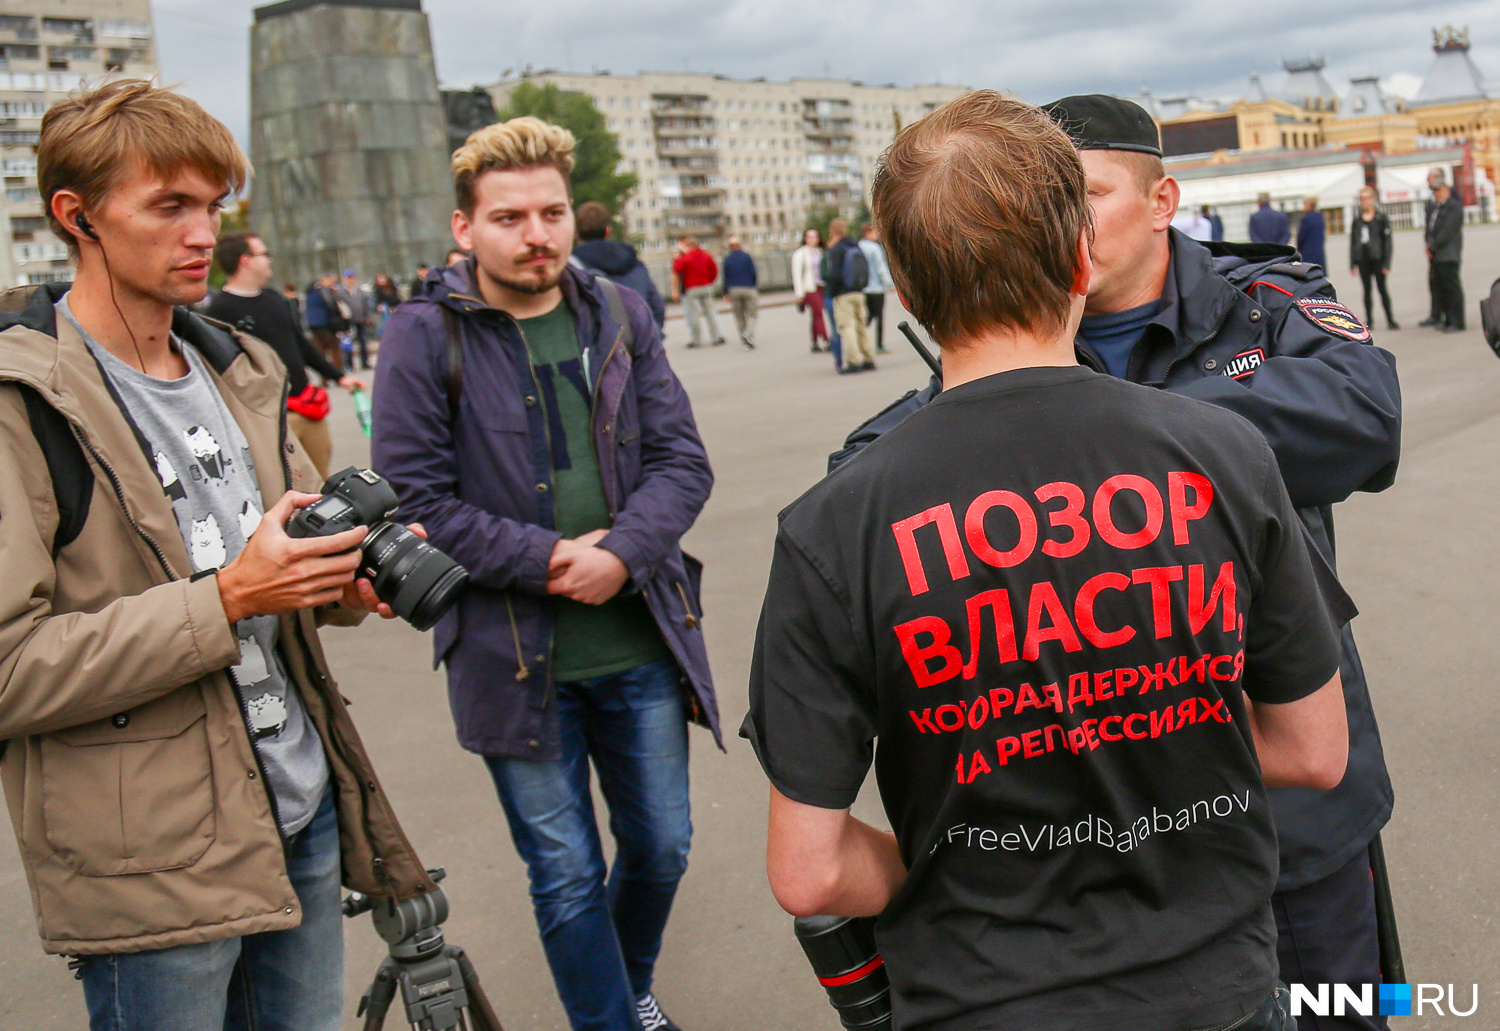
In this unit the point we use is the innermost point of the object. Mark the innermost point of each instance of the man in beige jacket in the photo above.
(186, 787)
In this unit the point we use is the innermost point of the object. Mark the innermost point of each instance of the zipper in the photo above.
(259, 765)
(594, 416)
(161, 557)
(536, 385)
(1223, 318)
(114, 481)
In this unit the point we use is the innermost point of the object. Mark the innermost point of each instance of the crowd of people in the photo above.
(1126, 746)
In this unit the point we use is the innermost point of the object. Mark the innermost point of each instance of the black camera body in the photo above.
(415, 579)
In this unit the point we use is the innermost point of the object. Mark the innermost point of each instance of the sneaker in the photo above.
(719, 342)
(1393, 325)
(651, 1016)
(1429, 322)
(694, 343)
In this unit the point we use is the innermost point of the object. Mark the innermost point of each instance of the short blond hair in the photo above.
(525, 142)
(91, 139)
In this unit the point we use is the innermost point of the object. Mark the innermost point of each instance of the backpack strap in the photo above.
(453, 332)
(616, 305)
(72, 479)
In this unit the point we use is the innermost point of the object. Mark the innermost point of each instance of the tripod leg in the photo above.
(479, 1003)
(377, 998)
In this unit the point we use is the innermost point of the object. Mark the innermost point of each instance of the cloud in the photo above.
(1037, 51)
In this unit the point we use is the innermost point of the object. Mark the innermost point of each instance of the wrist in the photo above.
(230, 596)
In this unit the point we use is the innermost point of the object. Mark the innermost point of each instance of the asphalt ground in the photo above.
(1420, 559)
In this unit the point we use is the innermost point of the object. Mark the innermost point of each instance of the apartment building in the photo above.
(48, 48)
(716, 155)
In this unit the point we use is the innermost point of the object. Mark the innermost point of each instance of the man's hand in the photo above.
(360, 595)
(1353, 271)
(277, 574)
(583, 572)
(351, 384)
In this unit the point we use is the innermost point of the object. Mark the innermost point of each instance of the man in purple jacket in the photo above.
(527, 416)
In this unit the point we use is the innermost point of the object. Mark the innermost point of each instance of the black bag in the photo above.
(1489, 317)
(856, 269)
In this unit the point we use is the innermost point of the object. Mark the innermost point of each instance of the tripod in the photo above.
(438, 985)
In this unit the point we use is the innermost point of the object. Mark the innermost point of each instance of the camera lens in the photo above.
(416, 580)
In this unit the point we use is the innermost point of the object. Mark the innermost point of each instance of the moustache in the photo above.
(537, 252)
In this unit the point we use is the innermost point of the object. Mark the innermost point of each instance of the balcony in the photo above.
(684, 126)
(679, 104)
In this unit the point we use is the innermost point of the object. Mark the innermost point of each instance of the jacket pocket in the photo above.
(132, 793)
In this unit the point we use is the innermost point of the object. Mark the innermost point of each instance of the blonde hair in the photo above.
(520, 143)
(93, 138)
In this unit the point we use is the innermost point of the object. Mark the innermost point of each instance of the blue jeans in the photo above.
(602, 929)
(274, 981)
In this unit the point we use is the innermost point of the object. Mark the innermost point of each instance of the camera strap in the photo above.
(454, 333)
(454, 337)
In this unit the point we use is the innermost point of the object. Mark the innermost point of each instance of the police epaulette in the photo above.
(1297, 270)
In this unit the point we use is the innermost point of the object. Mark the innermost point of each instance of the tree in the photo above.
(235, 219)
(597, 156)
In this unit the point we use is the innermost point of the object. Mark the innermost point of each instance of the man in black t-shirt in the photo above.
(248, 306)
(1082, 619)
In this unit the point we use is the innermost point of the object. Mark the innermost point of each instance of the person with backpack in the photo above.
(846, 274)
(614, 259)
(528, 416)
(189, 791)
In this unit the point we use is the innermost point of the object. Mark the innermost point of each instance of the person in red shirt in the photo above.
(694, 273)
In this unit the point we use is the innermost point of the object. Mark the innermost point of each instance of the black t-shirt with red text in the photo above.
(1046, 595)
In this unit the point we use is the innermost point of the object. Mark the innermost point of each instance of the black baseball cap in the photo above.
(1096, 121)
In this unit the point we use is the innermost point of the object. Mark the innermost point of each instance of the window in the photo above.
(78, 28)
(125, 28)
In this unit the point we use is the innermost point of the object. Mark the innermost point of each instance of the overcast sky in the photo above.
(1037, 50)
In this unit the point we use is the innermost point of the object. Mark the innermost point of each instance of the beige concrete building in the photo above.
(716, 155)
(48, 48)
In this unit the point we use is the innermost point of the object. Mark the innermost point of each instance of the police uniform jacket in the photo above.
(1249, 328)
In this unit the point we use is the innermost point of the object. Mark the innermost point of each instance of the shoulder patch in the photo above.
(1244, 363)
(1333, 317)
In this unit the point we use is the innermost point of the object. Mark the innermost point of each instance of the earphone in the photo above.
(87, 229)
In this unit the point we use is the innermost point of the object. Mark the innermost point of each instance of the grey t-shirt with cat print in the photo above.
(204, 465)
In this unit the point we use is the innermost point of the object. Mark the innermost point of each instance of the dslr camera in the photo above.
(415, 579)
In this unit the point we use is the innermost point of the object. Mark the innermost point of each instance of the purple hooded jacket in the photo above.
(482, 487)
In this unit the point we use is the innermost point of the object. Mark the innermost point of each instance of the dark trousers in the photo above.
(875, 304)
(362, 344)
(1447, 294)
(1368, 271)
(1325, 934)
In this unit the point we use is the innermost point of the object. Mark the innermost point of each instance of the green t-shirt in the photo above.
(588, 640)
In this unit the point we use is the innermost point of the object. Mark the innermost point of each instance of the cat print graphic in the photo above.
(249, 519)
(266, 711)
(171, 483)
(206, 543)
(206, 450)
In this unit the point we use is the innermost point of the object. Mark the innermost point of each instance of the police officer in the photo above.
(1249, 328)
